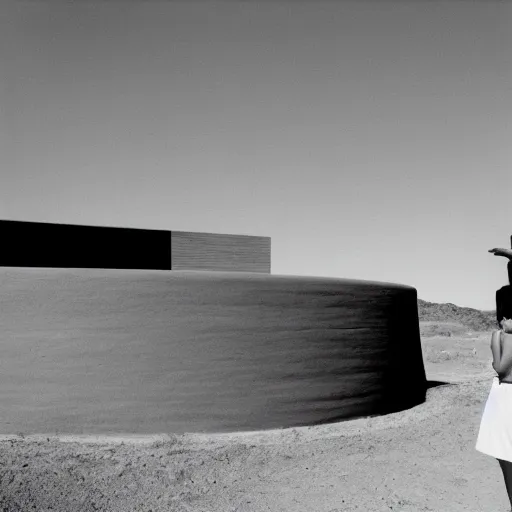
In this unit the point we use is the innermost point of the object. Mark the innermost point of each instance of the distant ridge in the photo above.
(474, 319)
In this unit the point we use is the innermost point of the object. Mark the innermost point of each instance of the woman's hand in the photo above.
(498, 251)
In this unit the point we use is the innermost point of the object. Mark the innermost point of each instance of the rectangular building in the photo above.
(37, 244)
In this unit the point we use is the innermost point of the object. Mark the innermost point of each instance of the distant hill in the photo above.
(470, 318)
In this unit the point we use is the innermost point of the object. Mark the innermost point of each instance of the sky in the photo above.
(369, 139)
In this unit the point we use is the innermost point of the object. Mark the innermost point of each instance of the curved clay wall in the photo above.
(119, 351)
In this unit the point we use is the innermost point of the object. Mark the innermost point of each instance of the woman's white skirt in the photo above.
(495, 434)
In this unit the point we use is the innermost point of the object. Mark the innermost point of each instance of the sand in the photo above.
(421, 459)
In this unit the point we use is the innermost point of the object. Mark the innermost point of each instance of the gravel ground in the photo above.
(421, 459)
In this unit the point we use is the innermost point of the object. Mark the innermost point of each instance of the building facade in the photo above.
(37, 244)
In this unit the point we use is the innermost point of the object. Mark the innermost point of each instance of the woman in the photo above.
(495, 434)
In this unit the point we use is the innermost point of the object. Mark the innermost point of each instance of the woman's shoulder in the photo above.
(505, 337)
(502, 334)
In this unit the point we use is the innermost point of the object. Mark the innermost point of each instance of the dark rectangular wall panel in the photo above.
(209, 251)
(35, 244)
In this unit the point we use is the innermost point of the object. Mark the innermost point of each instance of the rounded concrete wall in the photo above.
(119, 351)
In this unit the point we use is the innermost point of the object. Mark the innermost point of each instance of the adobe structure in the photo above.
(124, 335)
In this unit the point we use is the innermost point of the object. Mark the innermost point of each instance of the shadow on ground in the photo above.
(436, 383)
(388, 409)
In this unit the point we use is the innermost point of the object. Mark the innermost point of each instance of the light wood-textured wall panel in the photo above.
(211, 251)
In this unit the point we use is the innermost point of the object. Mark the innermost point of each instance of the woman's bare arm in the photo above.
(496, 351)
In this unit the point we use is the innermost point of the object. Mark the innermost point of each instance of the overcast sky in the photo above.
(369, 139)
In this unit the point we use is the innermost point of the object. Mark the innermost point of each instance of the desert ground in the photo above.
(421, 459)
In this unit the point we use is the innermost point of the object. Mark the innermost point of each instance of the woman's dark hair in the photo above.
(504, 303)
(504, 298)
